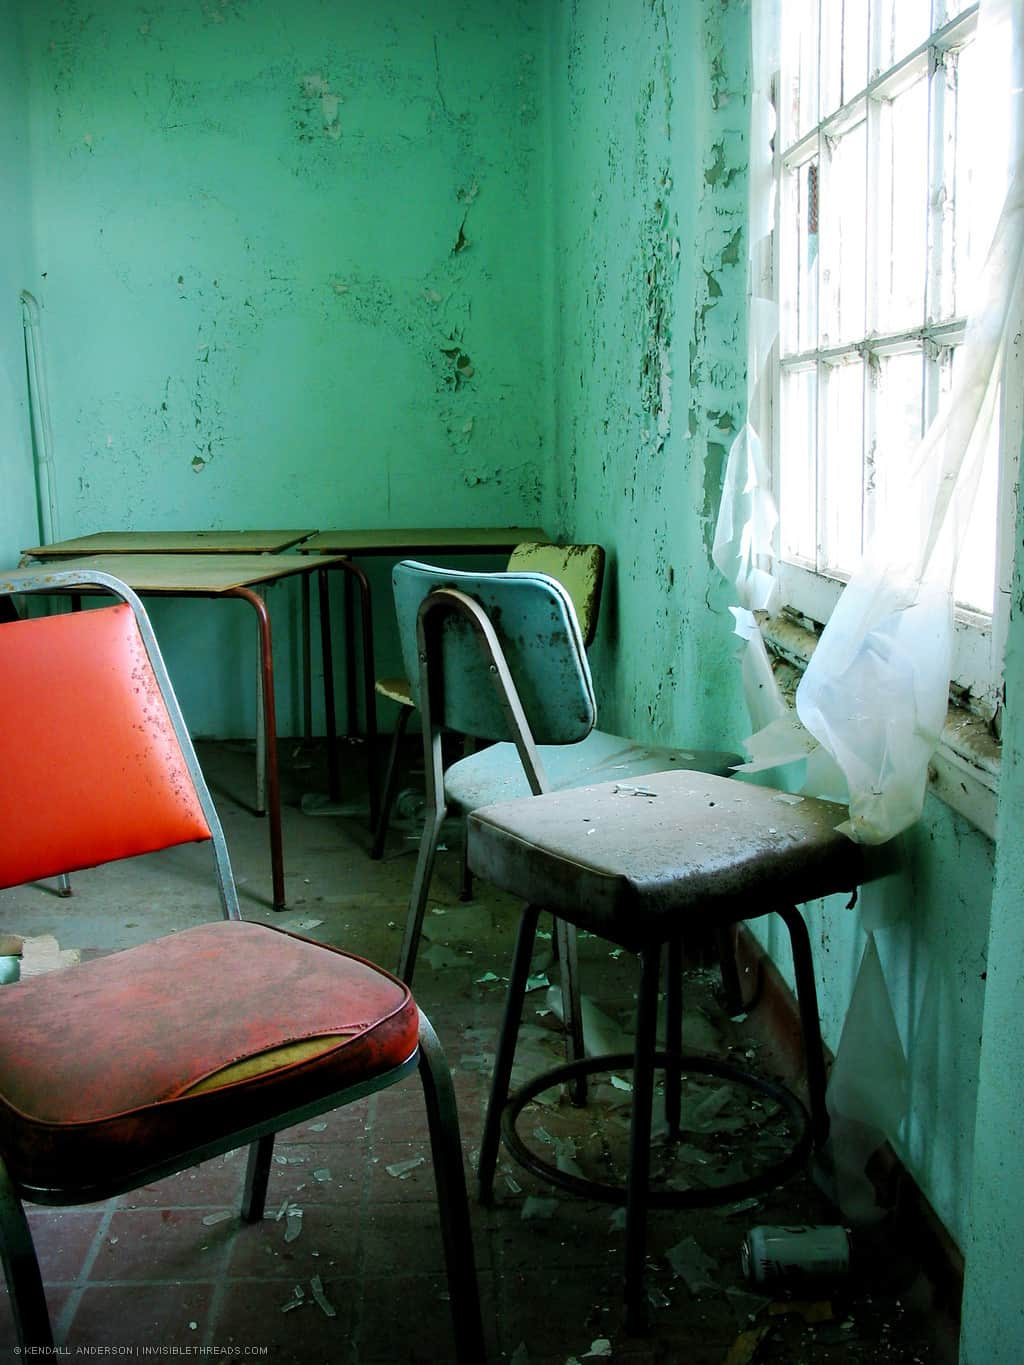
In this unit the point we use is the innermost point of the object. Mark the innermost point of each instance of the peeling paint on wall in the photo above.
(318, 109)
(717, 347)
(661, 252)
(293, 260)
(653, 329)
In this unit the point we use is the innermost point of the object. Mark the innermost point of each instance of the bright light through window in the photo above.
(891, 175)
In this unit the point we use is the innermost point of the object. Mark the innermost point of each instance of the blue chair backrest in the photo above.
(534, 620)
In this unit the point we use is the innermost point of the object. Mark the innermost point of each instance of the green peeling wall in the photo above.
(648, 118)
(289, 268)
(648, 132)
(460, 262)
(18, 524)
(993, 1310)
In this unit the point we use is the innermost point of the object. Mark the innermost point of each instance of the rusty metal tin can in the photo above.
(795, 1255)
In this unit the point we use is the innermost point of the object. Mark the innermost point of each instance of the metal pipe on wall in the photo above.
(42, 432)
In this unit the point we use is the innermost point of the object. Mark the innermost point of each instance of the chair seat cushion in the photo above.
(638, 868)
(496, 774)
(127, 1061)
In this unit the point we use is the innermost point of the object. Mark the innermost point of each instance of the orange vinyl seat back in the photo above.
(92, 769)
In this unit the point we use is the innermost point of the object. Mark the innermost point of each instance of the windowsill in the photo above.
(964, 771)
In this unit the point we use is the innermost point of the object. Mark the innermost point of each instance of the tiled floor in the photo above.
(357, 1278)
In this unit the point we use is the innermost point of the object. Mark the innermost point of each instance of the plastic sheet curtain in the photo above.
(871, 705)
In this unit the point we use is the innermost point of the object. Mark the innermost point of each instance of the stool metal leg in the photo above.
(730, 974)
(810, 1021)
(637, 1190)
(674, 1034)
(506, 1051)
(572, 1007)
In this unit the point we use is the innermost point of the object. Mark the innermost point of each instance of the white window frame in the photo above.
(979, 639)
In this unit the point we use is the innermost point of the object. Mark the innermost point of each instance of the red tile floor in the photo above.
(346, 1268)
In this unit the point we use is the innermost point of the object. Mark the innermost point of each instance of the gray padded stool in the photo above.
(640, 871)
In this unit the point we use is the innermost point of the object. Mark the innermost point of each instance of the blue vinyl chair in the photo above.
(580, 570)
(500, 657)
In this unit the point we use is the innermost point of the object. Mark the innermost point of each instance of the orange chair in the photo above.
(136, 1065)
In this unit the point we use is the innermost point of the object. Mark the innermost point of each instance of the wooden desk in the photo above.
(399, 542)
(220, 576)
(221, 542)
(171, 542)
(449, 540)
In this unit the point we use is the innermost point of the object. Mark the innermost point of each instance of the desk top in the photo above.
(446, 539)
(181, 574)
(171, 542)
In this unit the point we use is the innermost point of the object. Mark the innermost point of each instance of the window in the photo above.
(891, 174)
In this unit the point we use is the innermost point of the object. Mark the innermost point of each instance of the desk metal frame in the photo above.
(224, 542)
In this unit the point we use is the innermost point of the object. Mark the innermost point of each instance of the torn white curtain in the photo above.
(872, 703)
(745, 532)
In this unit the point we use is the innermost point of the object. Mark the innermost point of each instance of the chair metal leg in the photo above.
(450, 1179)
(420, 891)
(63, 884)
(323, 588)
(730, 975)
(369, 689)
(269, 732)
(572, 1008)
(307, 665)
(674, 1034)
(638, 1183)
(261, 740)
(469, 746)
(387, 796)
(506, 1052)
(257, 1177)
(465, 871)
(810, 1021)
(21, 1270)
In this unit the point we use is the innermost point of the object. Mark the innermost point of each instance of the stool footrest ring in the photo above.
(767, 1178)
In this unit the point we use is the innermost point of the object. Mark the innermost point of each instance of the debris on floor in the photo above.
(328, 1266)
(745, 1348)
(42, 953)
(401, 1170)
(692, 1266)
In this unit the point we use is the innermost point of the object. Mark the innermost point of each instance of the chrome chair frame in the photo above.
(17, 1252)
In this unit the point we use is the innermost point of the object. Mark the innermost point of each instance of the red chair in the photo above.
(134, 1066)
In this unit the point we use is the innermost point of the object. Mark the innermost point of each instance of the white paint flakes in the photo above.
(401, 1170)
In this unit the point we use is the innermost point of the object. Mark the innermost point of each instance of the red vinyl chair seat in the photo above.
(100, 1063)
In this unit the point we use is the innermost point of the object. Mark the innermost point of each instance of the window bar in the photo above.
(879, 182)
(941, 195)
(820, 376)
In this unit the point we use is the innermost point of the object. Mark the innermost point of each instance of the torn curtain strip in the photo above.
(872, 703)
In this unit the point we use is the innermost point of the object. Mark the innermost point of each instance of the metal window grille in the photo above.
(884, 209)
